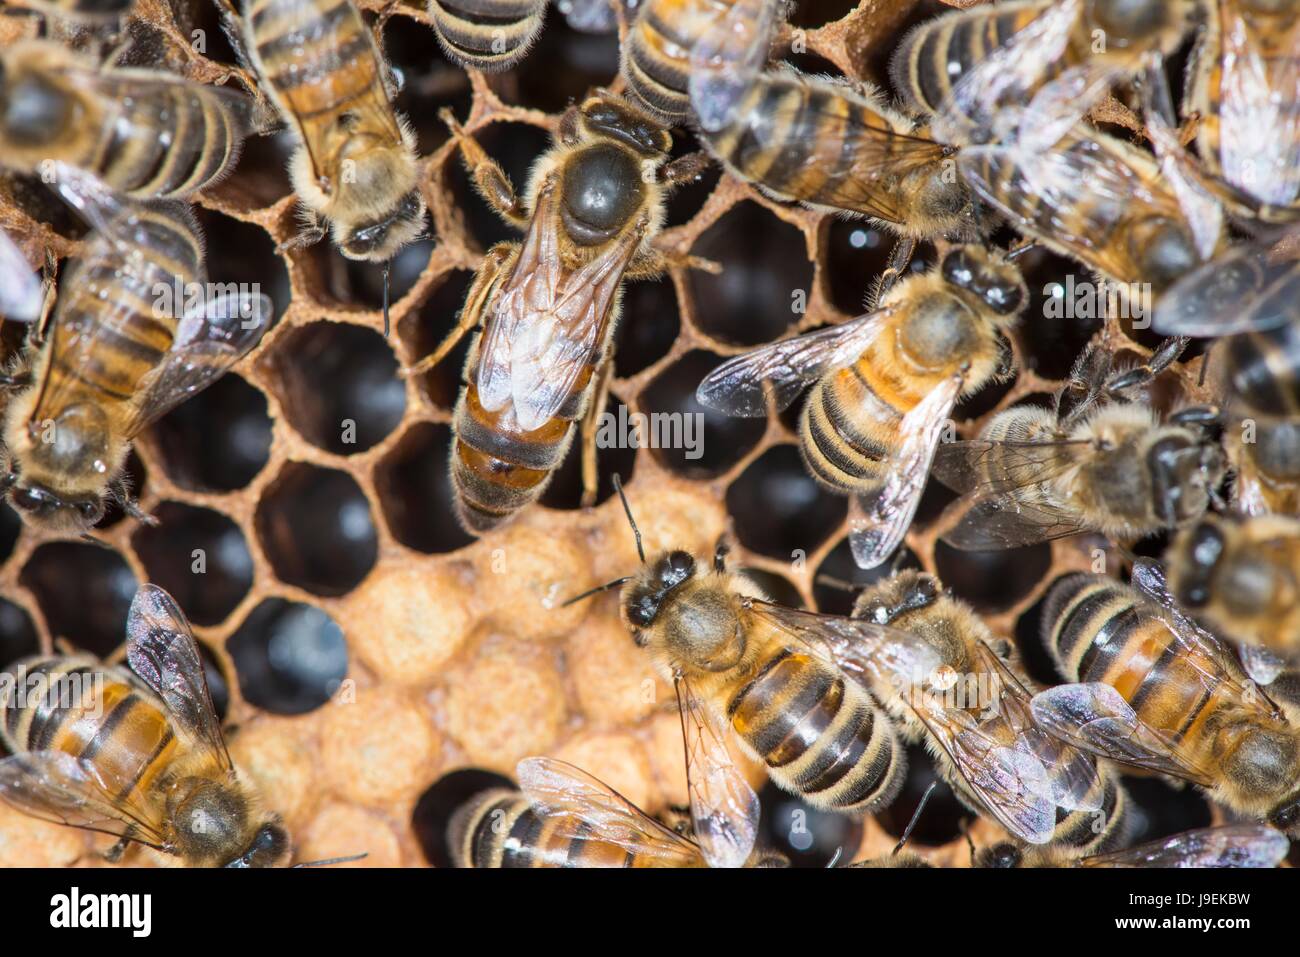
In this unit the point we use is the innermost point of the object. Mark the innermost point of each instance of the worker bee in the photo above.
(835, 149)
(355, 164)
(548, 306)
(885, 384)
(137, 754)
(1156, 692)
(1228, 845)
(144, 133)
(489, 35)
(969, 704)
(128, 341)
(1096, 463)
(564, 817)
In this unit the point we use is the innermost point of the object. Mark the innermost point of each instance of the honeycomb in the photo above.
(374, 664)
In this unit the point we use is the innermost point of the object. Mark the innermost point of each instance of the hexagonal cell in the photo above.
(414, 487)
(105, 585)
(201, 458)
(199, 556)
(1054, 341)
(856, 253)
(365, 281)
(808, 836)
(778, 588)
(1160, 809)
(616, 441)
(429, 81)
(244, 254)
(338, 385)
(647, 328)
(10, 528)
(766, 278)
(136, 477)
(816, 13)
(18, 636)
(516, 147)
(992, 581)
(289, 657)
(941, 820)
(779, 509)
(687, 199)
(839, 568)
(562, 67)
(434, 810)
(425, 329)
(315, 527)
(261, 178)
(721, 442)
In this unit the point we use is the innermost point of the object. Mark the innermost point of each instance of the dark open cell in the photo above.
(815, 13)
(1160, 809)
(647, 328)
(516, 147)
(217, 686)
(766, 278)
(779, 510)
(289, 657)
(415, 492)
(218, 440)
(10, 526)
(778, 588)
(940, 822)
(136, 476)
(840, 568)
(616, 440)
(338, 385)
(856, 254)
(261, 178)
(316, 529)
(1053, 329)
(199, 556)
(366, 279)
(434, 809)
(810, 64)
(95, 619)
(724, 439)
(688, 198)
(429, 326)
(429, 81)
(562, 66)
(808, 836)
(244, 254)
(18, 636)
(992, 581)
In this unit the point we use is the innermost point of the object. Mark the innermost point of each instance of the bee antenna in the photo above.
(835, 859)
(387, 269)
(839, 584)
(1015, 252)
(618, 485)
(916, 816)
(326, 862)
(597, 590)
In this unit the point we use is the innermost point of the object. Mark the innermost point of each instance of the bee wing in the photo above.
(1248, 288)
(162, 652)
(881, 520)
(21, 293)
(728, 57)
(1202, 210)
(55, 786)
(737, 386)
(1008, 521)
(580, 806)
(1260, 664)
(1230, 845)
(590, 16)
(1095, 718)
(724, 808)
(549, 324)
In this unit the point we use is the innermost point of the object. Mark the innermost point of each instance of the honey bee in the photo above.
(488, 35)
(835, 149)
(1097, 463)
(1158, 693)
(137, 754)
(950, 683)
(116, 357)
(355, 165)
(144, 133)
(548, 306)
(885, 384)
(1229, 845)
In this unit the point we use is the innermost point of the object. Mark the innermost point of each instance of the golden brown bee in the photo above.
(1100, 464)
(144, 133)
(952, 685)
(835, 149)
(1229, 845)
(136, 331)
(489, 35)
(1156, 692)
(138, 754)
(885, 384)
(548, 306)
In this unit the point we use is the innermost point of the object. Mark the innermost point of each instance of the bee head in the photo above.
(44, 508)
(606, 115)
(644, 596)
(268, 848)
(1202, 550)
(998, 285)
(888, 600)
(1286, 817)
(1184, 472)
(1003, 855)
(380, 238)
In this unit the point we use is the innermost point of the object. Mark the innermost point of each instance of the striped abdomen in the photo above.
(487, 34)
(1263, 368)
(96, 713)
(499, 828)
(656, 59)
(821, 736)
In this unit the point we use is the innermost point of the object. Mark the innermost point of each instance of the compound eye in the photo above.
(1004, 298)
(31, 499)
(958, 269)
(675, 568)
(1126, 21)
(1287, 816)
(90, 510)
(641, 611)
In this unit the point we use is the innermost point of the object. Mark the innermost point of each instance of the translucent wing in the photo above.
(1251, 287)
(589, 16)
(1009, 521)
(21, 293)
(1201, 209)
(737, 386)
(548, 324)
(1231, 845)
(55, 786)
(161, 650)
(881, 520)
(1096, 718)
(1260, 664)
(580, 806)
(728, 57)
(724, 808)
(986, 467)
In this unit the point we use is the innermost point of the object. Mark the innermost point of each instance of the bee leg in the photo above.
(132, 508)
(720, 552)
(15, 380)
(307, 236)
(590, 476)
(472, 311)
(1164, 356)
(114, 853)
(489, 178)
(684, 169)
(899, 260)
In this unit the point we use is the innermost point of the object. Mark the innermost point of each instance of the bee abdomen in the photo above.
(1263, 366)
(1087, 619)
(487, 34)
(836, 431)
(1094, 832)
(500, 829)
(656, 58)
